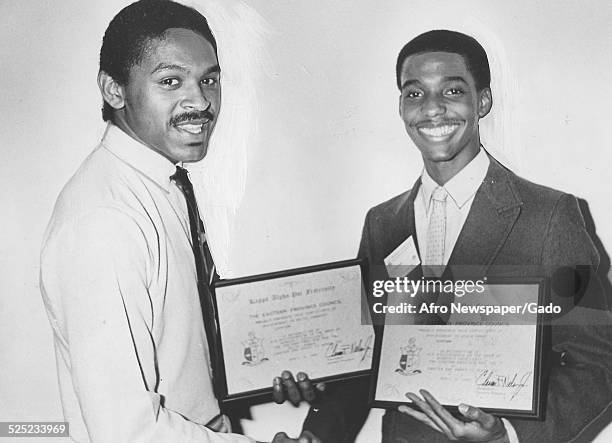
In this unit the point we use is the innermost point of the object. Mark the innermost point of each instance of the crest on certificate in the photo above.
(254, 352)
(410, 358)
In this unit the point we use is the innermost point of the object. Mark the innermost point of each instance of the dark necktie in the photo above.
(204, 267)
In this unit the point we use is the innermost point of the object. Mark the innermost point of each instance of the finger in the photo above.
(308, 437)
(226, 426)
(305, 385)
(277, 390)
(293, 393)
(216, 423)
(456, 427)
(472, 413)
(321, 387)
(280, 437)
(424, 406)
(420, 417)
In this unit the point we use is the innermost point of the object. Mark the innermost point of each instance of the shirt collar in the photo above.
(138, 156)
(463, 186)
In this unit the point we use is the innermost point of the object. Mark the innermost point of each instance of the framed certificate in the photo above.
(488, 354)
(307, 319)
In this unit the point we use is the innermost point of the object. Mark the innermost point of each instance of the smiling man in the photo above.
(125, 269)
(441, 105)
(466, 209)
(171, 99)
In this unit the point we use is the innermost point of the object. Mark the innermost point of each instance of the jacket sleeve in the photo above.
(580, 381)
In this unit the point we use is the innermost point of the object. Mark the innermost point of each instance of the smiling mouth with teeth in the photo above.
(191, 128)
(438, 131)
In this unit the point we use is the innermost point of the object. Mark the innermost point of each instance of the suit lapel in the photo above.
(409, 217)
(494, 211)
(395, 234)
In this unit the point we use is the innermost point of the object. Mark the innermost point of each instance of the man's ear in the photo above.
(399, 105)
(112, 92)
(485, 102)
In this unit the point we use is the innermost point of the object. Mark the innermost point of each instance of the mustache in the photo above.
(189, 116)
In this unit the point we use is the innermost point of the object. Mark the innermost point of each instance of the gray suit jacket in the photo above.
(514, 228)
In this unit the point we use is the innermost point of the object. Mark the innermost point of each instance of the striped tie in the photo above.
(436, 232)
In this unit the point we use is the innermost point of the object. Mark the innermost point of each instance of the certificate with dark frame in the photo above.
(308, 319)
(494, 362)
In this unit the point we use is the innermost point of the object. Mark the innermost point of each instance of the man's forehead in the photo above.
(180, 48)
(435, 66)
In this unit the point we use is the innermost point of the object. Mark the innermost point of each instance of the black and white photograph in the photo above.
(295, 221)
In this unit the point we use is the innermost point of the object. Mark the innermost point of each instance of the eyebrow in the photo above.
(454, 78)
(174, 67)
(167, 67)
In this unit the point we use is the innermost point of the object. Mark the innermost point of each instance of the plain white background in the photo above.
(314, 107)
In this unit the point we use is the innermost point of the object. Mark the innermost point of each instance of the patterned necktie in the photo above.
(204, 267)
(436, 232)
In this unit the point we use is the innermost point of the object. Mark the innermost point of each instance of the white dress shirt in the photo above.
(119, 283)
(461, 191)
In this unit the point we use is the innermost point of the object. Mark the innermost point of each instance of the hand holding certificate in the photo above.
(301, 320)
(476, 425)
(493, 362)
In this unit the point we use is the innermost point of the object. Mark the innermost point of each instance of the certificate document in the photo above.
(307, 320)
(491, 362)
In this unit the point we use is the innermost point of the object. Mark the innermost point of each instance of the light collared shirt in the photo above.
(461, 190)
(119, 283)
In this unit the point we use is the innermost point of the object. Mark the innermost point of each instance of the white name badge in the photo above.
(405, 255)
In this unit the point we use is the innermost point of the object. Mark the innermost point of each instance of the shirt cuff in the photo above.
(512, 437)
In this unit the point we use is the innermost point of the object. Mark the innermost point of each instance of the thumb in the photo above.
(475, 414)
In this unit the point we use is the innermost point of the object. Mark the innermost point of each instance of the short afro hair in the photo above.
(449, 41)
(128, 34)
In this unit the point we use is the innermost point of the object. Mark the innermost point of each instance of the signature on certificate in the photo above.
(515, 380)
(338, 347)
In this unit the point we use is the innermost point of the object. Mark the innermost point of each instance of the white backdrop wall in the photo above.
(313, 105)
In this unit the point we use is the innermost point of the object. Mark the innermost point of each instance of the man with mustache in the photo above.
(467, 209)
(125, 269)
